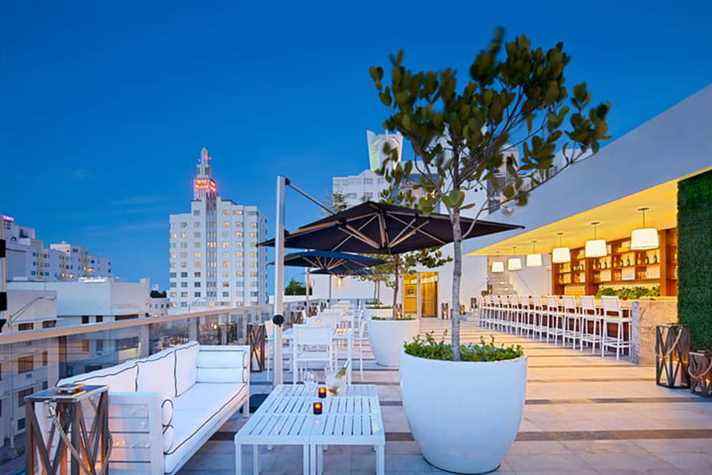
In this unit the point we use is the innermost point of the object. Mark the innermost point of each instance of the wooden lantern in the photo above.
(672, 350)
(72, 446)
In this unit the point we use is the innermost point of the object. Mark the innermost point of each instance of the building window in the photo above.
(25, 364)
(196, 274)
(196, 294)
(85, 319)
(25, 326)
(45, 358)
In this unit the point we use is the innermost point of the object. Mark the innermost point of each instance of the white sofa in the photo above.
(163, 408)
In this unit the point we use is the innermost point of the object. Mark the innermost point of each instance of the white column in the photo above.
(279, 278)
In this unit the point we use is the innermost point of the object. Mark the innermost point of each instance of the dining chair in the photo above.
(311, 344)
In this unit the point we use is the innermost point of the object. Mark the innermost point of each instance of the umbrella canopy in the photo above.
(329, 262)
(377, 228)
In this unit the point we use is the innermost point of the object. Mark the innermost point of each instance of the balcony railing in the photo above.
(34, 360)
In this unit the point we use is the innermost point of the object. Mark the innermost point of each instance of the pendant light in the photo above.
(497, 266)
(642, 239)
(514, 263)
(560, 254)
(596, 247)
(534, 259)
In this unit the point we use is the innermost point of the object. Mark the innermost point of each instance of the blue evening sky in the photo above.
(105, 105)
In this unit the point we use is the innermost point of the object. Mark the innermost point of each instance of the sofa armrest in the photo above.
(224, 364)
(136, 431)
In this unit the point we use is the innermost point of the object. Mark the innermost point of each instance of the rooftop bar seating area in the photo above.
(583, 323)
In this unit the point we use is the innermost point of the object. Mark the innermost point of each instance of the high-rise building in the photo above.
(29, 259)
(214, 258)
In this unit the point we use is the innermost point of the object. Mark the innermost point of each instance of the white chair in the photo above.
(360, 336)
(571, 320)
(591, 323)
(269, 342)
(613, 313)
(540, 318)
(556, 320)
(311, 344)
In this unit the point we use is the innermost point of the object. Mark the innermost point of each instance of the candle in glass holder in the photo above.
(318, 408)
(322, 392)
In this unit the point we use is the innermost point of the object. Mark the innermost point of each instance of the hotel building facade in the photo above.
(214, 258)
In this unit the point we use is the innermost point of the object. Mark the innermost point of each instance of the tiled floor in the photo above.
(583, 415)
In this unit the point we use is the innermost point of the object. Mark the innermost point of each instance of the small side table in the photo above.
(93, 446)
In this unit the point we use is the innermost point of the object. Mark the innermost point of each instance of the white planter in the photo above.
(387, 338)
(380, 312)
(464, 415)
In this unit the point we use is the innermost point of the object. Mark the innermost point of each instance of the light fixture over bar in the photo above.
(498, 267)
(560, 254)
(643, 239)
(514, 263)
(534, 259)
(596, 247)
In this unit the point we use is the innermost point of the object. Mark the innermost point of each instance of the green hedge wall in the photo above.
(694, 220)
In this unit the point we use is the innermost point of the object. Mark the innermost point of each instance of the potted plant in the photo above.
(464, 415)
(503, 132)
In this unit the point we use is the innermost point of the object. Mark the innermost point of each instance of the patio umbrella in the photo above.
(329, 262)
(377, 228)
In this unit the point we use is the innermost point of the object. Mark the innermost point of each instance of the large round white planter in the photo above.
(464, 415)
(380, 312)
(387, 338)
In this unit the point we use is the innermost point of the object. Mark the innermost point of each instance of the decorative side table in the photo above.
(85, 450)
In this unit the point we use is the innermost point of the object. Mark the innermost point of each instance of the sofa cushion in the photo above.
(223, 364)
(196, 413)
(186, 370)
(156, 374)
(119, 378)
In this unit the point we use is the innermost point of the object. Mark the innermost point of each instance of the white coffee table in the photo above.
(286, 418)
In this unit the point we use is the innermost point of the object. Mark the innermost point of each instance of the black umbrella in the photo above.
(377, 228)
(329, 262)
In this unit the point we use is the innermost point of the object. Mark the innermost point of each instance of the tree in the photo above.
(295, 288)
(464, 136)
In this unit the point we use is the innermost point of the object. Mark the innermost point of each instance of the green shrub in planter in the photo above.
(427, 347)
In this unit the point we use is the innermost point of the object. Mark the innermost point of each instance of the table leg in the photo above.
(255, 459)
(238, 459)
(350, 350)
(320, 459)
(312, 459)
(305, 459)
(381, 460)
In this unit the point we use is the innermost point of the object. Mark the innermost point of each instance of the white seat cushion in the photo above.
(196, 413)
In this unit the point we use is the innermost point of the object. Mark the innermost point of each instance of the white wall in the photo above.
(349, 288)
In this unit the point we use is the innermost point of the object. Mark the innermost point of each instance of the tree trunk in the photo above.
(456, 276)
(395, 287)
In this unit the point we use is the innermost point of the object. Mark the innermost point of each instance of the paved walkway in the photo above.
(583, 415)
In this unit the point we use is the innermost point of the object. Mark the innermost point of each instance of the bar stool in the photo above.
(591, 323)
(571, 320)
(538, 316)
(556, 320)
(527, 315)
(613, 313)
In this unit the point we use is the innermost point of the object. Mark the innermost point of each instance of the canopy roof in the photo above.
(377, 228)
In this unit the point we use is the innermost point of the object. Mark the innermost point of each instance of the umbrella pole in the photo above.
(329, 290)
(279, 279)
(306, 281)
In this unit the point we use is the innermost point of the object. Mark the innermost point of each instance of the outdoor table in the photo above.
(286, 418)
(340, 334)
